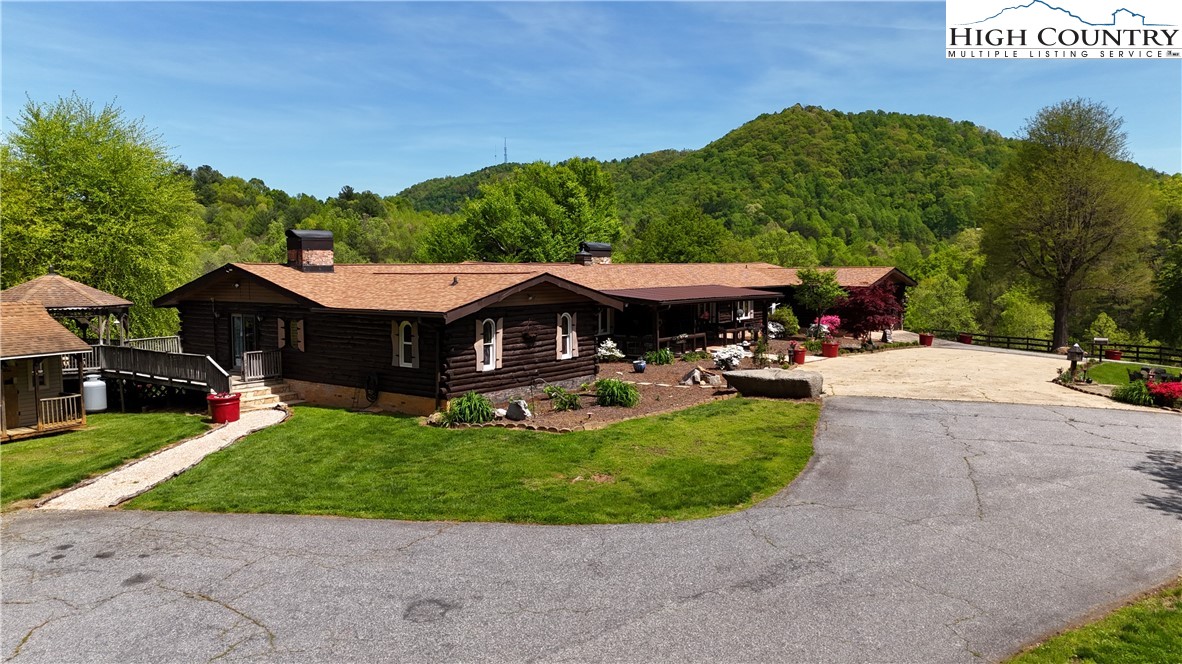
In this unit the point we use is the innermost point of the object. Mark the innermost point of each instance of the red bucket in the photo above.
(926, 339)
(224, 407)
(798, 355)
(830, 349)
(1112, 354)
(964, 338)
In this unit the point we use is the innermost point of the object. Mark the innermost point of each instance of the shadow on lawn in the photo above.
(1166, 469)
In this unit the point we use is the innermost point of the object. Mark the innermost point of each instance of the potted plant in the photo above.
(639, 365)
(926, 338)
(798, 352)
(830, 347)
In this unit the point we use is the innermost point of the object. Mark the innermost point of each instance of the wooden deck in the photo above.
(54, 414)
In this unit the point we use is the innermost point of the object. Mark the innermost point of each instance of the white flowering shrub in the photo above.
(727, 358)
(608, 351)
(776, 330)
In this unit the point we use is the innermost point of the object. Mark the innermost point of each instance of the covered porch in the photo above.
(685, 318)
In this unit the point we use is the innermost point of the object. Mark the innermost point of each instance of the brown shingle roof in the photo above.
(443, 289)
(691, 294)
(27, 330)
(54, 292)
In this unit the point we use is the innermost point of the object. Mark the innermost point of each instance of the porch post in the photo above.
(656, 328)
(765, 321)
(36, 392)
(81, 394)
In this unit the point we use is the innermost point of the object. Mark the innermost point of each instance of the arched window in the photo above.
(407, 340)
(566, 337)
(488, 343)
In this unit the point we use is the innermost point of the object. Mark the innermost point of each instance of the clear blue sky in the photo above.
(381, 95)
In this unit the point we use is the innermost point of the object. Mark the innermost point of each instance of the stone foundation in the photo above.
(530, 392)
(339, 396)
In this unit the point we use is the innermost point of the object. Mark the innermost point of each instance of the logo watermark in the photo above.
(1063, 29)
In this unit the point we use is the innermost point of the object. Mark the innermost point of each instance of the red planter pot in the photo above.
(224, 407)
(1112, 354)
(964, 338)
(830, 349)
(798, 355)
(926, 339)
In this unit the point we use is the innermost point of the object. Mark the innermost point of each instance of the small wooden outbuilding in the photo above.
(31, 346)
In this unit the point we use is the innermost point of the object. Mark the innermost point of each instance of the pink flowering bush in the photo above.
(832, 322)
(1166, 394)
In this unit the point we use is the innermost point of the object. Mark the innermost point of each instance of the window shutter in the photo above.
(414, 346)
(300, 334)
(395, 343)
(500, 336)
(574, 335)
(558, 337)
(282, 332)
(478, 346)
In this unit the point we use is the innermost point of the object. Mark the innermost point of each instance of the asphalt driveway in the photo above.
(924, 532)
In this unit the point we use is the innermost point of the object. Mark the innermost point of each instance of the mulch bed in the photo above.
(659, 393)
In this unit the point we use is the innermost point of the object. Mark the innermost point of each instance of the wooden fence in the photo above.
(57, 412)
(158, 344)
(1000, 341)
(71, 364)
(180, 369)
(1130, 352)
(260, 364)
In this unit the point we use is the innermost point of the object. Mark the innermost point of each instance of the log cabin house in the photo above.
(32, 345)
(409, 337)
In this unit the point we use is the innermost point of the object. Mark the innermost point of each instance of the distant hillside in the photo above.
(446, 195)
(871, 177)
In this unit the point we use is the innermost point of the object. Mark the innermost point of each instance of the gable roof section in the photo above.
(426, 290)
(55, 292)
(27, 330)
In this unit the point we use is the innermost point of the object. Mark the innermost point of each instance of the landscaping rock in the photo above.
(692, 378)
(518, 411)
(776, 383)
(435, 419)
(500, 413)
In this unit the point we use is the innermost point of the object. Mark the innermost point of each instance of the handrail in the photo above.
(260, 364)
(187, 368)
(162, 344)
(60, 411)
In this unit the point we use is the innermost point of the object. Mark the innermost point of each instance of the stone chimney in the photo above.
(594, 253)
(309, 251)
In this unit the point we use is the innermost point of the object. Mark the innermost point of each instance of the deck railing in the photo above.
(159, 344)
(260, 364)
(84, 361)
(57, 412)
(198, 370)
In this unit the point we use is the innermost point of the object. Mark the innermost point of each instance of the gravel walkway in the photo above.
(137, 477)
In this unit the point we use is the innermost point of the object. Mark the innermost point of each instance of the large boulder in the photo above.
(518, 411)
(776, 383)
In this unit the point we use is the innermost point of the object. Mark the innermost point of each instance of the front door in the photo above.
(243, 334)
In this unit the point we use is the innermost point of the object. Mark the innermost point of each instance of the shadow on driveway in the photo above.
(1166, 469)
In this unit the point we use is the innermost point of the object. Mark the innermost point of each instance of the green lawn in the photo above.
(35, 466)
(1149, 630)
(699, 462)
(1116, 373)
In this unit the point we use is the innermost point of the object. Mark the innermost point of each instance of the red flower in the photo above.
(1166, 394)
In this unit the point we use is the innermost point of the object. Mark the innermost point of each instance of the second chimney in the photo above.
(309, 251)
(599, 253)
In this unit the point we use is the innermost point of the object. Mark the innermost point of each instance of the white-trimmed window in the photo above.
(745, 309)
(607, 320)
(566, 339)
(489, 334)
(405, 336)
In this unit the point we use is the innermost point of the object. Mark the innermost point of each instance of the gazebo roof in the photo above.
(26, 330)
(60, 295)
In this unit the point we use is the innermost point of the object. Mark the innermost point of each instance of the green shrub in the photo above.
(660, 356)
(1135, 393)
(471, 408)
(561, 399)
(759, 353)
(695, 356)
(813, 346)
(784, 316)
(615, 392)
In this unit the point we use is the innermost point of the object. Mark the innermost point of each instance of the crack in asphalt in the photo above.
(203, 597)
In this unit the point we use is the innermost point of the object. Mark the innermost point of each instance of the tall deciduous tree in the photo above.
(96, 197)
(683, 235)
(1066, 210)
(539, 213)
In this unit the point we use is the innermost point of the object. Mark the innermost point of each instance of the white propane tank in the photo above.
(94, 392)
